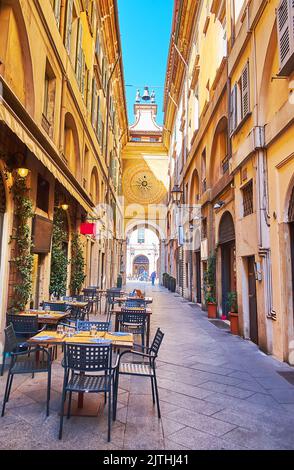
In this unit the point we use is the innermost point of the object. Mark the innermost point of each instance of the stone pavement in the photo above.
(216, 391)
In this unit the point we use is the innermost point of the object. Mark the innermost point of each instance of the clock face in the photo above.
(142, 186)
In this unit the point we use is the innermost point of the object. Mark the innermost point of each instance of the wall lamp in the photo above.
(177, 193)
(219, 205)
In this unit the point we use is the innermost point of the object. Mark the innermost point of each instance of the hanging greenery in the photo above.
(210, 279)
(23, 260)
(59, 261)
(77, 265)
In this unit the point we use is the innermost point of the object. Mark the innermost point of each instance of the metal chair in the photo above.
(134, 322)
(111, 296)
(135, 303)
(56, 307)
(141, 369)
(86, 325)
(24, 327)
(25, 362)
(81, 362)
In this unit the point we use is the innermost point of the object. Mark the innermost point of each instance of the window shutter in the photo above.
(79, 54)
(285, 25)
(94, 15)
(94, 102)
(83, 75)
(57, 6)
(233, 109)
(245, 95)
(68, 28)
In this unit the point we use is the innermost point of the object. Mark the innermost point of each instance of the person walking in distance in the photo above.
(153, 277)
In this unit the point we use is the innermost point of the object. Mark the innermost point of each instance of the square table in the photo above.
(47, 318)
(83, 337)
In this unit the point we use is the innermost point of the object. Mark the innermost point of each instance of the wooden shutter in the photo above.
(79, 53)
(285, 25)
(83, 74)
(226, 229)
(245, 92)
(233, 109)
(57, 7)
(68, 27)
(94, 102)
(88, 103)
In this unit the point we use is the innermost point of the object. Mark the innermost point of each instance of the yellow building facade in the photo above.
(63, 118)
(229, 115)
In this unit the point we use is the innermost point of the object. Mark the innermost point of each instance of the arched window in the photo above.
(94, 186)
(71, 145)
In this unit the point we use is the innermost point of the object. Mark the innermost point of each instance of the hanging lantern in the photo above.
(87, 228)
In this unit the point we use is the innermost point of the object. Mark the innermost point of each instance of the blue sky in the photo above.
(145, 27)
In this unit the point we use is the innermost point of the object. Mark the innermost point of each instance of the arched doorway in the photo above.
(228, 264)
(141, 266)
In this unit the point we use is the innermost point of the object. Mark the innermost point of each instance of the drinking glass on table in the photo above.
(47, 308)
(60, 329)
(93, 330)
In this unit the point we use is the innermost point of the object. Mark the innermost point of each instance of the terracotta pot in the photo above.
(234, 323)
(211, 310)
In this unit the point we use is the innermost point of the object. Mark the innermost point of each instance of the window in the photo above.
(203, 170)
(141, 235)
(48, 99)
(204, 228)
(285, 25)
(247, 193)
(43, 188)
(240, 100)
(73, 32)
(238, 4)
(56, 5)
(68, 25)
(80, 59)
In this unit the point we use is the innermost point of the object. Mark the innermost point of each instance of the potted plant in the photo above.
(209, 286)
(211, 305)
(233, 312)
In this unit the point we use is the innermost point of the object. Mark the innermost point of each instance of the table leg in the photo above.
(116, 322)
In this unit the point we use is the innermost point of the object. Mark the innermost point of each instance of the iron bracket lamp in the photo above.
(177, 193)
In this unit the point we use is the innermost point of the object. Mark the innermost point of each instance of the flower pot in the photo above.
(234, 323)
(211, 310)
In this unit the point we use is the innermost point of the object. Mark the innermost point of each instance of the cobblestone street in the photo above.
(217, 391)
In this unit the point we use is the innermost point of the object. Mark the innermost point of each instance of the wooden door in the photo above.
(198, 277)
(253, 327)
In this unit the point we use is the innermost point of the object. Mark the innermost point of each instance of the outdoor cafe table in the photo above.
(52, 338)
(71, 303)
(117, 311)
(147, 300)
(48, 318)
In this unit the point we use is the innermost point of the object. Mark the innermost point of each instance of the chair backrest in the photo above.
(86, 325)
(135, 303)
(55, 307)
(129, 316)
(76, 313)
(90, 293)
(88, 357)
(23, 324)
(10, 338)
(157, 340)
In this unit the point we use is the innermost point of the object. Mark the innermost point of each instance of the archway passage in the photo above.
(228, 269)
(141, 267)
(143, 253)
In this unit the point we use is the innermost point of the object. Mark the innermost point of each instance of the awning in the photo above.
(18, 128)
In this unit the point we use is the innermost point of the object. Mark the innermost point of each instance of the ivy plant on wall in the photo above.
(23, 259)
(77, 265)
(59, 261)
